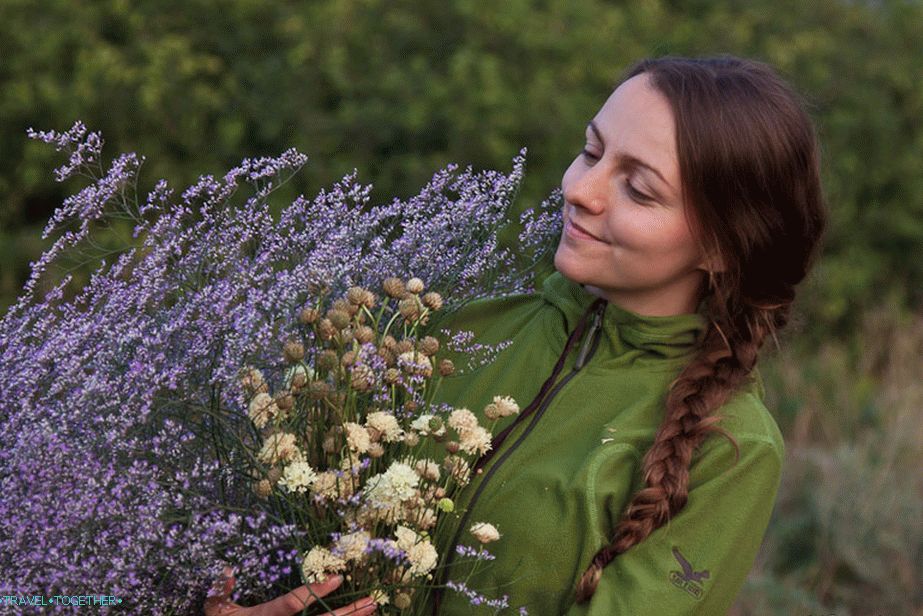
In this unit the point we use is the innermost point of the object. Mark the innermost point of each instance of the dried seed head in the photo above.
(452, 446)
(326, 328)
(274, 474)
(339, 318)
(491, 412)
(263, 488)
(369, 299)
(440, 492)
(348, 359)
(415, 285)
(344, 336)
(432, 300)
(404, 346)
(309, 315)
(376, 450)
(389, 342)
(318, 390)
(411, 439)
(284, 400)
(393, 287)
(327, 360)
(411, 406)
(374, 434)
(409, 308)
(362, 378)
(293, 351)
(402, 600)
(392, 375)
(387, 355)
(446, 367)
(428, 346)
(355, 295)
(364, 334)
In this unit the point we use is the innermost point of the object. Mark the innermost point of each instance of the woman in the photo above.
(690, 216)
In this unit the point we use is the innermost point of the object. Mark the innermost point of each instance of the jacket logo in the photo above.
(687, 579)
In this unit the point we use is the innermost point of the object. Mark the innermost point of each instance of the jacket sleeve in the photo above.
(697, 563)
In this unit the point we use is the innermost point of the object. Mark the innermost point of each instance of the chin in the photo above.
(568, 264)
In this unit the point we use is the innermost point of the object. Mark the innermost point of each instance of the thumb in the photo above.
(223, 585)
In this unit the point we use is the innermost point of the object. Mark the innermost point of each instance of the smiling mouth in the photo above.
(575, 230)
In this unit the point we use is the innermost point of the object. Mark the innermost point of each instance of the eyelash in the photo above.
(635, 193)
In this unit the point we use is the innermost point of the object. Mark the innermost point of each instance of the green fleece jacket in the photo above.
(561, 479)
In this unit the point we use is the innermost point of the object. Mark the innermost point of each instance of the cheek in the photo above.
(652, 234)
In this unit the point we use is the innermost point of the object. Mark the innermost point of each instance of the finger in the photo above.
(220, 599)
(296, 600)
(362, 607)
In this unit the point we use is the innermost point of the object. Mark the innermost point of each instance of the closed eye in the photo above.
(635, 193)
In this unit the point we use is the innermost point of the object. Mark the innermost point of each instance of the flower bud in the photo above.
(440, 492)
(274, 474)
(355, 295)
(432, 300)
(411, 439)
(402, 600)
(446, 367)
(284, 400)
(428, 346)
(339, 318)
(409, 308)
(446, 505)
(309, 315)
(293, 351)
(415, 285)
(411, 406)
(452, 446)
(326, 328)
(328, 359)
(376, 450)
(263, 488)
(364, 334)
(393, 287)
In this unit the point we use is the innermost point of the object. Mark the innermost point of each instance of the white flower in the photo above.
(421, 425)
(506, 406)
(475, 440)
(298, 476)
(386, 424)
(484, 532)
(319, 563)
(379, 596)
(420, 552)
(279, 447)
(395, 485)
(357, 437)
(352, 545)
(462, 419)
(427, 469)
(262, 408)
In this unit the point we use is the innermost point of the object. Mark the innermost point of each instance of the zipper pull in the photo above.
(585, 347)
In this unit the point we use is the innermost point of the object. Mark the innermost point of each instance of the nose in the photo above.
(586, 188)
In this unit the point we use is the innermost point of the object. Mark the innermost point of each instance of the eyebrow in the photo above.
(628, 159)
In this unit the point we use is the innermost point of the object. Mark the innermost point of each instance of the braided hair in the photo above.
(749, 163)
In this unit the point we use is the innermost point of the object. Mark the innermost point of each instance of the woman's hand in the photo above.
(289, 604)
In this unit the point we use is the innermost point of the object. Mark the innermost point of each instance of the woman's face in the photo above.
(635, 248)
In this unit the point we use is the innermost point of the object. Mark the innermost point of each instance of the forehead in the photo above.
(637, 119)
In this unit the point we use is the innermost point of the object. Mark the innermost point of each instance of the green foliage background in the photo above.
(398, 89)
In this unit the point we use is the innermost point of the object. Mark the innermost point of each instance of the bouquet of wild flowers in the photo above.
(120, 401)
(345, 446)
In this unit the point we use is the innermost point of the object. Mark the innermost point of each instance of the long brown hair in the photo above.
(749, 165)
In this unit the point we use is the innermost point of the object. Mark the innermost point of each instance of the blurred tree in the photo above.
(399, 89)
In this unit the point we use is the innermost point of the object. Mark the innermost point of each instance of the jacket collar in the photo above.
(666, 337)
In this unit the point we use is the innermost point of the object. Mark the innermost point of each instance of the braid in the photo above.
(718, 369)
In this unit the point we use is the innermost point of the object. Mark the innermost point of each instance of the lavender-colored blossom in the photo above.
(110, 483)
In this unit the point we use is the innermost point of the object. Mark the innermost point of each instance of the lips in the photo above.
(582, 230)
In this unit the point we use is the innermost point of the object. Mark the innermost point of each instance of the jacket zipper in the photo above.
(587, 350)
